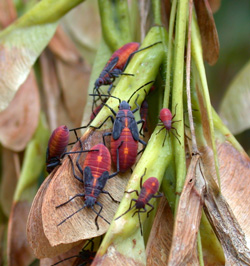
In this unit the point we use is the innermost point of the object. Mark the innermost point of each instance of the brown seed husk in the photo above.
(63, 187)
(209, 35)
(19, 121)
(160, 238)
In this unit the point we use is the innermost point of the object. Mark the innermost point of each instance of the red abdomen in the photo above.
(149, 188)
(127, 151)
(58, 141)
(123, 53)
(166, 118)
(98, 161)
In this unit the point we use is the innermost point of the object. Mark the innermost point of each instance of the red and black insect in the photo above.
(85, 256)
(57, 147)
(95, 173)
(116, 65)
(148, 191)
(167, 122)
(125, 134)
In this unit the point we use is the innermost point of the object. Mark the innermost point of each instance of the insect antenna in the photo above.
(140, 89)
(71, 215)
(75, 256)
(107, 96)
(129, 209)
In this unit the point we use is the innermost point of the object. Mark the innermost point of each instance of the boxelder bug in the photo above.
(167, 122)
(125, 135)
(57, 147)
(116, 66)
(148, 190)
(85, 257)
(95, 173)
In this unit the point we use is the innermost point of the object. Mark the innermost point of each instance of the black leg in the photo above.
(129, 209)
(142, 121)
(106, 192)
(66, 202)
(117, 161)
(152, 207)
(105, 135)
(77, 177)
(72, 215)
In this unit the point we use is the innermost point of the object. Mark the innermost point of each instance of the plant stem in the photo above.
(157, 11)
(177, 96)
(169, 55)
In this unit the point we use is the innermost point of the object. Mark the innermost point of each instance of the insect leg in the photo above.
(136, 191)
(176, 137)
(110, 116)
(142, 121)
(127, 209)
(66, 202)
(98, 214)
(159, 130)
(79, 167)
(105, 135)
(152, 207)
(143, 143)
(142, 178)
(71, 215)
(117, 161)
(106, 192)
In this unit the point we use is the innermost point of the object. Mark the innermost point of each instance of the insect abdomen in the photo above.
(98, 161)
(58, 141)
(123, 54)
(127, 151)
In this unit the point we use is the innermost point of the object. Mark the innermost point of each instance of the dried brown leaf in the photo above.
(19, 121)
(228, 212)
(64, 48)
(184, 245)
(74, 80)
(62, 187)
(9, 179)
(19, 252)
(72, 252)
(214, 4)
(209, 35)
(50, 87)
(235, 186)
(35, 234)
(159, 242)
(84, 28)
(7, 12)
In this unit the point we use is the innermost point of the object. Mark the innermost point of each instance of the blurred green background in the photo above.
(233, 26)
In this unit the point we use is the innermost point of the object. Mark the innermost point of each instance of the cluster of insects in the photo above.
(125, 137)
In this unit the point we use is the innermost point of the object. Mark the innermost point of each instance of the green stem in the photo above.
(110, 29)
(157, 11)
(199, 247)
(169, 55)
(198, 58)
(177, 96)
(124, 20)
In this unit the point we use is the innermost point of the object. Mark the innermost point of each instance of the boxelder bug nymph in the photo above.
(57, 147)
(125, 134)
(167, 122)
(148, 191)
(85, 257)
(116, 66)
(95, 173)
(97, 109)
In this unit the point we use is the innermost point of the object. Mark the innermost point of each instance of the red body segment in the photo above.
(58, 142)
(98, 161)
(96, 111)
(127, 151)
(166, 118)
(123, 53)
(149, 188)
